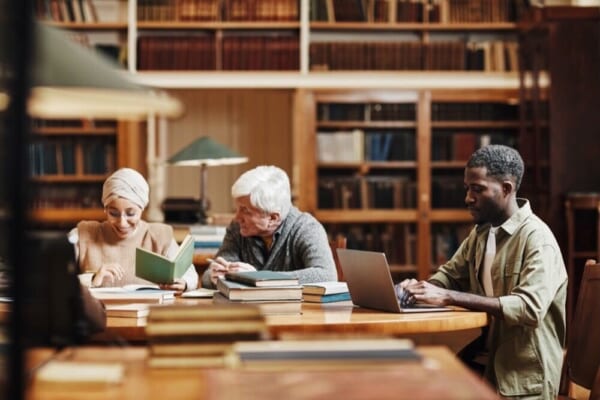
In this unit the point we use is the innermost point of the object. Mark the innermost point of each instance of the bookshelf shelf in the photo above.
(415, 26)
(367, 166)
(366, 124)
(61, 216)
(366, 216)
(220, 25)
(90, 26)
(59, 131)
(69, 178)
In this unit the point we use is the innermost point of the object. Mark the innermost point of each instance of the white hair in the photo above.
(268, 187)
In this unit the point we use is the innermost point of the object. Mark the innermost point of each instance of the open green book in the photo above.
(157, 268)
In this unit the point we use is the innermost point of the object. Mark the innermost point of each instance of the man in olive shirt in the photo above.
(511, 267)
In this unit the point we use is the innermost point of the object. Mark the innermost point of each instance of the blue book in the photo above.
(326, 298)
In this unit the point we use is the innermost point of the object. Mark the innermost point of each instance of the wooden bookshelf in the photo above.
(68, 163)
(305, 36)
(408, 203)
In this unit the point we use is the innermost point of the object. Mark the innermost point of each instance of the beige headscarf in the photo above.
(126, 183)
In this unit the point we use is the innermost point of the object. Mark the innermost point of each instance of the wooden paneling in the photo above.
(255, 123)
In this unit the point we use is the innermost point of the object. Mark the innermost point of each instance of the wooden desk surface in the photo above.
(455, 328)
(439, 376)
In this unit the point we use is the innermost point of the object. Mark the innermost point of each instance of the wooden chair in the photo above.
(339, 242)
(583, 351)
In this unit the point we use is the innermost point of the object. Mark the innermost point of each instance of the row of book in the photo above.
(458, 146)
(82, 11)
(440, 111)
(217, 10)
(366, 112)
(265, 52)
(444, 11)
(372, 145)
(83, 124)
(67, 196)
(66, 157)
(366, 192)
(459, 55)
(397, 241)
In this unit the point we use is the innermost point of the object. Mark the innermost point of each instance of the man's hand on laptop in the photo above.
(414, 291)
(404, 297)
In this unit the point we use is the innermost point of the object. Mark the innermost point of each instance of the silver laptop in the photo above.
(370, 283)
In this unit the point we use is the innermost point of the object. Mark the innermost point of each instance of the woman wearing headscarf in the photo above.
(107, 249)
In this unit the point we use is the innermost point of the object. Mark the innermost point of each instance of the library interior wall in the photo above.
(257, 123)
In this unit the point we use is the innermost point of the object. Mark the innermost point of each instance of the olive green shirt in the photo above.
(530, 280)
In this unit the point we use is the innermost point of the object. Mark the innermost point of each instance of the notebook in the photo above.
(370, 282)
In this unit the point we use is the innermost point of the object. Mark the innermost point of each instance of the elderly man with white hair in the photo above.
(106, 249)
(269, 233)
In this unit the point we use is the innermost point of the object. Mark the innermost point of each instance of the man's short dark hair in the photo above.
(501, 162)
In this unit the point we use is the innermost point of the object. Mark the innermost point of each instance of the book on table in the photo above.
(133, 310)
(238, 291)
(158, 268)
(324, 351)
(203, 312)
(266, 307)
(325, 288)
(113, 295)
(264, 278)
(326, 298)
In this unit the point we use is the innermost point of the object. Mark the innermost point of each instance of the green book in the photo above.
(262, 278)
(157, 268)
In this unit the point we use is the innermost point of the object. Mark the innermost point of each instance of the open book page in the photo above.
(158, 268)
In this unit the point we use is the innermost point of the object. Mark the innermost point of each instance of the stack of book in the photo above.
(192, 336)
(127, 314)
(207, 238)
(271, 291)
(325, 292)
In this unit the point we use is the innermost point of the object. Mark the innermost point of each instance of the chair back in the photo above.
(583, 348)
(339, 242)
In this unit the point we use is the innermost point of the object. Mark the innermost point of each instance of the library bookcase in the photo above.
(385, 168)
(68, 163)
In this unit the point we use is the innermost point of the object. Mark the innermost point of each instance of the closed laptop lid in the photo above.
(369, 280)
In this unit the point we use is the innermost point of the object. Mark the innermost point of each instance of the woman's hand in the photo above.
(179, 286)
(109, 273)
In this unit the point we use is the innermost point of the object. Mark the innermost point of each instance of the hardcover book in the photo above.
(157, 268)
(266, 307)
(321, 288)
(237, 291)
(326, 350)
(133, 310)
(114, 295)
(263, 278)
(326, 298)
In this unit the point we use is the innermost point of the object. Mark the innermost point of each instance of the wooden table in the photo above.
(439, 376)
(454, 329)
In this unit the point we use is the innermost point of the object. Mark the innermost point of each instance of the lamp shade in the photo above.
(71, 81)
(206, 151)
